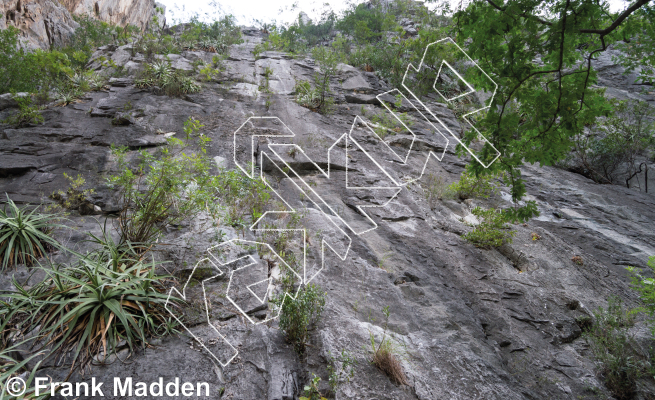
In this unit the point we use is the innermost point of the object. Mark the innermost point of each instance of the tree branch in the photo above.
(625, 14)
(524, 14)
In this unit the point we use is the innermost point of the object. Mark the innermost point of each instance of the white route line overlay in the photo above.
(318, 201)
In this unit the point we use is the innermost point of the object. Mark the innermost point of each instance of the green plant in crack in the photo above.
(620, 362)
(492, 231)
(299, 315)
(311, 390)
(160, 190)
(340, 368)
(74, 196)
(161, 75)
(27, 113)
(25, 235)
(385, 354)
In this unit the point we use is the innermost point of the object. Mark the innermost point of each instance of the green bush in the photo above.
(240, 196)
(24, 235)
(162, 76)
(646, 289)
(620, 364)
(92, 34)
(318, 99)
(27, 113)
(165, 190)
(214, 37)
(471, 186)
(25, 71)
(297, 316)
(492, 231)
(366, 24)
(311, 390)
(90, 309)
(611, 153)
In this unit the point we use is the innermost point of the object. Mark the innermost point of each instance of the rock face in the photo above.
(118, 12)
(43, 23)
(48, 23)
(471, 323)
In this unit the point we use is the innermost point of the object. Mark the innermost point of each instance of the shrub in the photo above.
(610, 153)
(24, 235)
(492, 230)
(151, 44)
(297, 316)
(241, 196)
(27, 113)
(90, 309)
(214, 37)
(646, 289)
(311, 390)
(74, 196)
(162, 76)
(327, 60)
(212, 70)
(92, 34)
(28, 71)
(384, 355)
(471, 186)
(366, 24)
(165, 190)
(619, 363)
(435, 189)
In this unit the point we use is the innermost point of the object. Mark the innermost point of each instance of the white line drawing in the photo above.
(466, 117)
(250, 129)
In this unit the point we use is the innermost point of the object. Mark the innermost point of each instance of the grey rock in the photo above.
(121, 82)
(42, 23)
(7, 100)
(117, 12)
(360, 98)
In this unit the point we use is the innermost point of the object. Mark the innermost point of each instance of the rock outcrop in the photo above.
(49, 23)
(472, 324)
(43, 23)
(117, 12)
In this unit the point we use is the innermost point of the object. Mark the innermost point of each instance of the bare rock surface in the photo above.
(49, 23)
(118, 12)
(43, 23)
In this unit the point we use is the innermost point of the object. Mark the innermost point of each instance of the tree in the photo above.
(540, 54)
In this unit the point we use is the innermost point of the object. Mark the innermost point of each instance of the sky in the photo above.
(248, 12)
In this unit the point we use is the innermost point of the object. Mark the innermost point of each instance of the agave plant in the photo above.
(10, 367)
(306, 96)
(90, 310)
(96, 81)
(80, 80)
(188, 85)
(24, 235)
(160, 70)
(66, 98)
